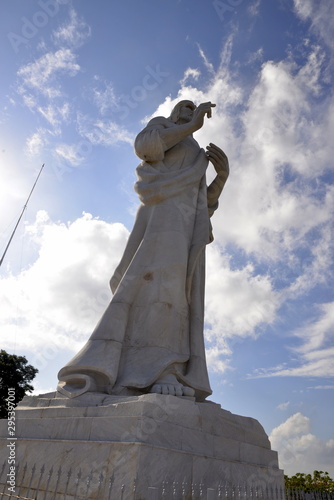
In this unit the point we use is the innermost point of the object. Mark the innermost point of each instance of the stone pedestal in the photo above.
(106, 447)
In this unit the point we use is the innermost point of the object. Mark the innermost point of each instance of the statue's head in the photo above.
(182, 112)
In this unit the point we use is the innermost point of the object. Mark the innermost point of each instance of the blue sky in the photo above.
(78, 82)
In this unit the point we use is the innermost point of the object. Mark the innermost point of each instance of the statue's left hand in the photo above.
(219, 160)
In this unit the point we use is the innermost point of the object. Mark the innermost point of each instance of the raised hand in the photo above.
(219, 160)
(202, 110)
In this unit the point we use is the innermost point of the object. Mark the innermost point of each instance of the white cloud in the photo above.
(238, 301)
(318, 333)
(207, 63)
(40, 74)
(70, 153)
(55, 115)
(214, 361)
(315, 355)
(59, 298)
(256, 56)
(253, 9)
(320, 13)
(36, 142)
(303, 8)
(278, 121)
(103, 132)
(315, 268)
(316, 364)
(190, 73)
(322, 387)
(74, 33)
(294, 425)
(29, 101)
(299, 449)
(105, 98)
(42, 83)
(283, 406)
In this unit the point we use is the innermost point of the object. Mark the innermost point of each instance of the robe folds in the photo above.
(154, 322)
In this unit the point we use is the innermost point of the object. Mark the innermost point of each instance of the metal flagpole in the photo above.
(18, 222)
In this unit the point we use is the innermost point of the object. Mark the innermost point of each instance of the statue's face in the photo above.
(186, 112)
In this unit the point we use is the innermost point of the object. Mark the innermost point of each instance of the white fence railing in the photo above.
(62, 484)
(298, 494)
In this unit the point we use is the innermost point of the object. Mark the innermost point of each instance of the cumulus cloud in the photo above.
(320, 14)
(294, 425)
(269, 203)
(214, 359)
(299, 449)
(64, 292)
(238, 301)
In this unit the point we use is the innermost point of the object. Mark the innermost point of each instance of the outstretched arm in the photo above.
(220, 162)
(161, 134)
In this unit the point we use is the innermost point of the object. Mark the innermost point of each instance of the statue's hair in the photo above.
(174, 116)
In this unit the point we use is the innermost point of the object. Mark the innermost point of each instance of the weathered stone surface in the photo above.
(150, 337)
(147, 438)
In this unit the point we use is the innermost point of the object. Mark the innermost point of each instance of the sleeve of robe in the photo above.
(149, 145)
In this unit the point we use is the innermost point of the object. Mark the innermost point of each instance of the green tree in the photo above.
(15, 373)
(318, 481)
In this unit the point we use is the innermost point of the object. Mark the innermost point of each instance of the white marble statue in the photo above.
(150, 338)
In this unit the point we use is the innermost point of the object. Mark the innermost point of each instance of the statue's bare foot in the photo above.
(169, 385)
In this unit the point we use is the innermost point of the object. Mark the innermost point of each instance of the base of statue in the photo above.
(145, 447)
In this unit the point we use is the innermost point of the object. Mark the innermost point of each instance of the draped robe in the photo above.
(154, 322)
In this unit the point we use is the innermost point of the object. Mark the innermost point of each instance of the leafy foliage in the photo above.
(15, 373)
(319, 481)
